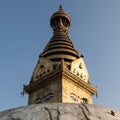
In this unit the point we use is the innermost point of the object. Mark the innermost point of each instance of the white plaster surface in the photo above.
(61, 111)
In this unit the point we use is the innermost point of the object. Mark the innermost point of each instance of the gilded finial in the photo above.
(60, 8)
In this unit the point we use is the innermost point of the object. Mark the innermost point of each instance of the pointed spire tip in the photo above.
(60, 8)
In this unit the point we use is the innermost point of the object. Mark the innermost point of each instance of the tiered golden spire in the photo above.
(60, 46)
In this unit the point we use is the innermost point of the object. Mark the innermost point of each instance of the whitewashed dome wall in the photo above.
(60, 111)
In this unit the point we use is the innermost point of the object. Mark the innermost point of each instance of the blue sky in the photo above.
(25, 30)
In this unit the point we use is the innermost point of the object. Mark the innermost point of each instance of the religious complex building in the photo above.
(60, 74)
(60, 79)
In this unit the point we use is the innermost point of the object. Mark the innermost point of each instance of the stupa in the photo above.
(60, 87)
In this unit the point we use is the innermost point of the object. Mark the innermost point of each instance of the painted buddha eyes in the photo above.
(77, 99)
(74, 97)
(45, 99)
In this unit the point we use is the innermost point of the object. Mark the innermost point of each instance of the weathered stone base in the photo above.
(60, 111)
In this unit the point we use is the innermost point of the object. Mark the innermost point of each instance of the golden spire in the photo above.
(60, 46)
